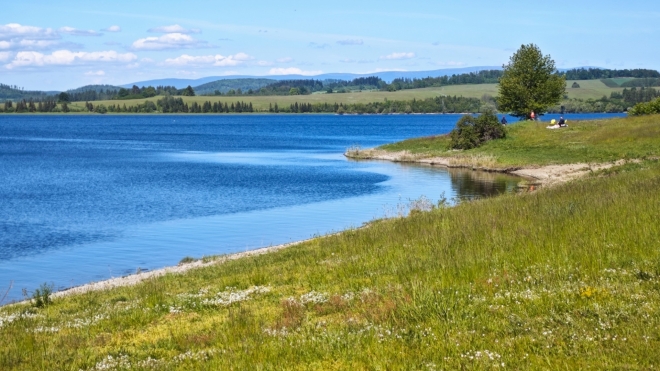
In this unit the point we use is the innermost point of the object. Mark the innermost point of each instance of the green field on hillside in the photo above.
(562, 278)
(594, 89)
(589, 89)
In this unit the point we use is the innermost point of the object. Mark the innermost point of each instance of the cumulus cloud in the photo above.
(13, 31)
(285, 60)
(209, 60)
(168, 41)
(114, 28)
(27, 44)
(67, 57)
(292, 71)
(77, 32)
(14, 36)
(350, 42)
(398, 56)
(175, 28)
(95, 73)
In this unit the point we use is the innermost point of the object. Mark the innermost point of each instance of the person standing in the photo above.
(532, 116)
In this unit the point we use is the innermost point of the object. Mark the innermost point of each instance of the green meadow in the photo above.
(566, 277)
(530, 143)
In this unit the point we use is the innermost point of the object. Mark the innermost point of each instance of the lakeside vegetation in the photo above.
(529, 142)
(566, 277)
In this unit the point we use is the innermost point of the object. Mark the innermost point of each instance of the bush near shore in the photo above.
(567, 277)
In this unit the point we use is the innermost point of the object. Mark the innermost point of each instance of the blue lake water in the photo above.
(85, 198)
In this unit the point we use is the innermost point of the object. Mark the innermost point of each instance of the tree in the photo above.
(530, 82)
(188, 92)
(63, 97)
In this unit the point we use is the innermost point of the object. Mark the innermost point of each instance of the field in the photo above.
(562, 278)
(530, 142)
(589, 89)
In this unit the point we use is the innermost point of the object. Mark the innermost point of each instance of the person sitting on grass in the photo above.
(562, 122)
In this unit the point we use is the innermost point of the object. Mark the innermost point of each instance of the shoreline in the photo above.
(546, 175)
(539, 175)
(136, 278)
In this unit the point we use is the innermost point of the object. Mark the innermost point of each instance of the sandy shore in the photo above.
(134, 279)
(542, 175)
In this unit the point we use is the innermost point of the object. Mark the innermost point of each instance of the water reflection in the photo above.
(469, 184)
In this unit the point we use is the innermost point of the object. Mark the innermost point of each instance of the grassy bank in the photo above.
(530, 143)
(564, 278)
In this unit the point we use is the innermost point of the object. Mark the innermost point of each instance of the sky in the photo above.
(47, 45)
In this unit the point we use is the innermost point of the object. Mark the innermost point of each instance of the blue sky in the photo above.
(61, 45)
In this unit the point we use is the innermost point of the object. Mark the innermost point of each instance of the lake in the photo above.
(86, 198)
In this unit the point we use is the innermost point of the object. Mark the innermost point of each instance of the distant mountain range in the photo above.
(387, 76)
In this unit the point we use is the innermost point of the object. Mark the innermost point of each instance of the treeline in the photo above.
(309, 86)
(600, 73)
(481, 77)
(430, 105)
(14, 92)
(616, 102)
(42, 106)
(147, 92)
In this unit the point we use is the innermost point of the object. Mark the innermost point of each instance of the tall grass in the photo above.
(567, 277)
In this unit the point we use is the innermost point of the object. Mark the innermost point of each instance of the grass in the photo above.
(564, 278)
(530, 143)
(590, 89)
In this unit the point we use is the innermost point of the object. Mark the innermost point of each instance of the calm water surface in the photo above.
(84, 198)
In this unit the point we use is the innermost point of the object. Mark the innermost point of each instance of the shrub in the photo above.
(471, 132)
(41, 296)
(648, 108)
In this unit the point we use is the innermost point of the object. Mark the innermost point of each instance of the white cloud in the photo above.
(350, 42)
(67, 57)
(13, 31)
(175, 28)
(264, 63)
(292, 71)
(214, 60)
(398, 56)
(114, 28)
(4, 56)
(355, 61)
(95, 73)
(77, 32)
(28, 44)
(285, 60)
(14, 36)
(168, 41)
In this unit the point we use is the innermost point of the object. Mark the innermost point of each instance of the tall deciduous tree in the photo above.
(530, 82)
